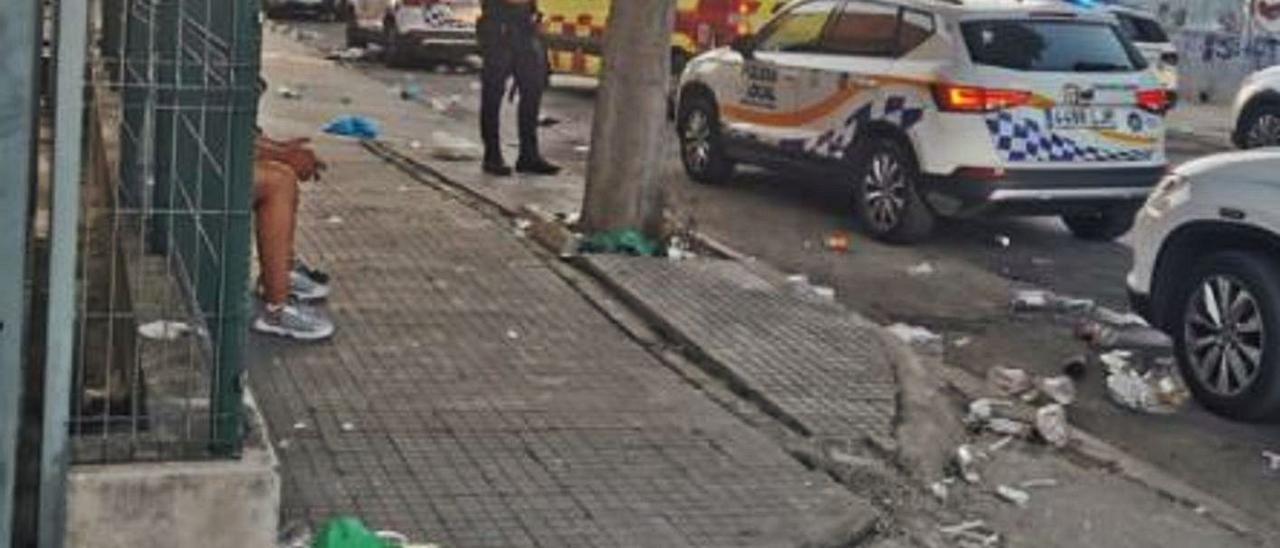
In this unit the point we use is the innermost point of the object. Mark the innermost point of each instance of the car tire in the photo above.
(1101, 226)
(1256, 284)
(887, 203)
(394, 52)
(1260, 127)
(702, 149)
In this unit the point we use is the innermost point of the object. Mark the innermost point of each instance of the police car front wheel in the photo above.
(701, 148)
(886, 201)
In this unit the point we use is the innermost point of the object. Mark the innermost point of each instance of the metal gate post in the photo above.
(19, 48)
(72, 33)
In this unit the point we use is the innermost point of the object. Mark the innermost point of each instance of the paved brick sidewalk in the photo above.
(473, 398)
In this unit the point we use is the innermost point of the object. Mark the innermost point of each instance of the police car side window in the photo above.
(799, 29)
(916, 28)
(864, 28)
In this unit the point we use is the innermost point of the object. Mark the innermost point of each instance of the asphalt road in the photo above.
(785, 220)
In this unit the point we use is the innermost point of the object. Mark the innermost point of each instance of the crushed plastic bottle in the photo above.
(1009, 381)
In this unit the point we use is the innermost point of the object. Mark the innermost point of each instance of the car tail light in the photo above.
(1155, 101)
(958, 98)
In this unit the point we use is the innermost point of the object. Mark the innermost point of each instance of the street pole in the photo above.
(19, 50)
(630, 126)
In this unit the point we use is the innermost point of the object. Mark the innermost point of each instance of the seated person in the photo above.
(285, 281)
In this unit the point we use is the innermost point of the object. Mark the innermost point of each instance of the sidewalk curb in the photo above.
(550, 233)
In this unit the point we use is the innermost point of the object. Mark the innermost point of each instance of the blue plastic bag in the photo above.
(353, 126)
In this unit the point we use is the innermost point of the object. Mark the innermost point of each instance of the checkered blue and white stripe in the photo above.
(441, 15)
(1024, 140)
(897, 110)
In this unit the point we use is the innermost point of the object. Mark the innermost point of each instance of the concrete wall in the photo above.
(229, 504)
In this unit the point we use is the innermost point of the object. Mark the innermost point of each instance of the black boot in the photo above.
(536, 165)
(493, 165)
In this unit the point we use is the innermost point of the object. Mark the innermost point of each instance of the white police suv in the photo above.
(927, 108)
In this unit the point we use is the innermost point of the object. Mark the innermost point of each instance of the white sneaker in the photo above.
(305, 289)
(293, 322)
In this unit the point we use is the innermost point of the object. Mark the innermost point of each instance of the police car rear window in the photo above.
(1141, 29)
(1050, 46)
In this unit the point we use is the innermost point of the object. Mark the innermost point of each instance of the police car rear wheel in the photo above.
(886, 202)
(1101, 226)
(701, 149)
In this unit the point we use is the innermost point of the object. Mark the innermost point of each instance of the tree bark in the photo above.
(628, 135)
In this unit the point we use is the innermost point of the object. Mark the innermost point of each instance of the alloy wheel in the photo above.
(697, 140)
(1225, 335)
(884, 193)
(1265, 131)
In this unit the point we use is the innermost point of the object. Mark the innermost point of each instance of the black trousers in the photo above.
(522, 56)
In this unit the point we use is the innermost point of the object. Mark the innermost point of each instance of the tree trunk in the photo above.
(628, 135)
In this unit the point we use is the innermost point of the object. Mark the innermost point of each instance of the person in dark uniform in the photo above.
(509, 41)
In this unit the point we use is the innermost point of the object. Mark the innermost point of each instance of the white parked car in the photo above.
(1149, 36)
(1257, 110)
(1207, 270)
(433, 31)
(931, 108)
(321, 9)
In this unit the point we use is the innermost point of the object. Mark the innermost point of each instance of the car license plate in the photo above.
(1082, 118)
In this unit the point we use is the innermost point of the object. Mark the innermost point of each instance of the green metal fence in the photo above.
(165, 248)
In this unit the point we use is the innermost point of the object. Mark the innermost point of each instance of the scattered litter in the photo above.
(348, 54)
(548, 121)
(1040, 483)
(294, 535)
(348, 532)
(359, 127)
(1013, 495)
(984, 409)
(284, 444)
(972, 533)
(1041, 261)
(940, 490)
(1137, 338)
(300, 425)
(922, 269)
(678, 249)
(1068, 305)
(1273, 460)
(1000, 444)
(1076, 368)
(287, 92)
(334, 220)
(1009, 380)
(840, 242)
(513, 334)
(1200, 510)
(918, 337)
(348, 427)
(1031, 300)
(1116, 360)
(1060, 389)
(825, 293)
(621, 242)
(582, 149)
(415, 144)
(966, 463)
(962, 342)
(798, 279)
(164, 330)
(1003, 241)
(411, 91)
(1160, 391)
(521, 227)
(1112, 317)
(452, 148)
(1008, 427)
(1051, 424)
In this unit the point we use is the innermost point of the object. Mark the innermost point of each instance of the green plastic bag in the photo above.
(349, 533)
(624, 242)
